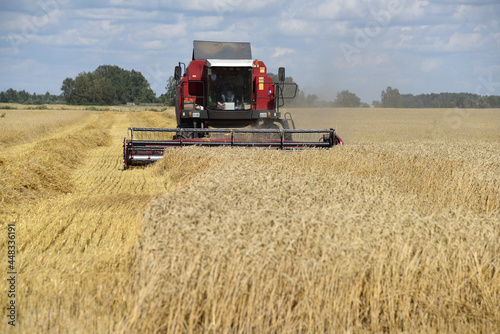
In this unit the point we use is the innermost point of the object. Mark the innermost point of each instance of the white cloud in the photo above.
(480, 27)
(431, 64)
(29, 24)
(414, 38)
(487, 70)
(464, 42)
(155, 44)
(470, 12)
(327, 10)
(230, 33)
(158, 31)
(25, 65)
(207, 22)
(71, 37)
(412, 10)
(110, 28)
(279, 52)
(116, 14)
(218, 7)
(298, 27)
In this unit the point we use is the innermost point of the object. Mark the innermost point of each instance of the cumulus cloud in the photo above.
(292, 26)
(30, 24)
(71, 37)
(116, 14)
(279, 52)
(387, 38)
(430, 64)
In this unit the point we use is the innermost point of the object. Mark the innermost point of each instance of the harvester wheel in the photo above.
(184, 134)
(270, 125)
(278, 125)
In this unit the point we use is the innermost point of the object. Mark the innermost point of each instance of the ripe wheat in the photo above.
(396, 231)
(393, 235)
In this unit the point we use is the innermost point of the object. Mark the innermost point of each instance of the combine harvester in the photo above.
(224, 98)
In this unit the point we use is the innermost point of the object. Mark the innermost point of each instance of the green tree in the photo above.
(347, 99)
(107, 85)
(145, 95)
(171, 89)
(23, 96)
(68, 88)
(11, 95)
(103, 92)
(311, 99)
(391, 98)
(83, 89)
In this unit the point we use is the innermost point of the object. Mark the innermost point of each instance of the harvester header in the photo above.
(225, 98)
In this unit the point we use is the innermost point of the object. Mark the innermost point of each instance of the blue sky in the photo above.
(362, 46)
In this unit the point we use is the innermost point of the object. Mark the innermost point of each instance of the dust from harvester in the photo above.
(396, 231)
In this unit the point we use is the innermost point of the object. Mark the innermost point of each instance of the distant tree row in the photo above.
(391, 98)
(450, 100)
(23, 97)
(108, 85)
(112, 85)
(301, 100)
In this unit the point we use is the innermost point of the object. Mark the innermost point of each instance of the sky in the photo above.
(326, 46)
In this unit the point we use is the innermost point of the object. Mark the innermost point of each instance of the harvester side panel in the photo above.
(263, 88)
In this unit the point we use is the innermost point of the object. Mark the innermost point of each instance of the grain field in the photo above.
(77, 217)
(395, 232)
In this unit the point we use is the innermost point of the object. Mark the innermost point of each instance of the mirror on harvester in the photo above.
(177, 73)
(281, 74)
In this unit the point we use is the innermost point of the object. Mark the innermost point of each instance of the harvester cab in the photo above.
(225, 98)
(222, 87)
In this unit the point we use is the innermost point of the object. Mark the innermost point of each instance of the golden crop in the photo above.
(20, 125)
(396, 231)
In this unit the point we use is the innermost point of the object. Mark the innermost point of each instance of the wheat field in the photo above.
(395, 232)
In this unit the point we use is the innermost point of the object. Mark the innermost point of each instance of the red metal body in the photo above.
(263, 88)
(195, 108)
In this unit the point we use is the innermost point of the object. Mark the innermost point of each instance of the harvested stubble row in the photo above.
(77, 220)
(45, 169)
(23, 125)
(377, 237)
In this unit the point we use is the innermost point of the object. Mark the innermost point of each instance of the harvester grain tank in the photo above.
(225, 98)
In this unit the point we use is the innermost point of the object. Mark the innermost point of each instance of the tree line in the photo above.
(112, 85)
(303, 100)
(391, 98)
(23, 97)
(109, 85)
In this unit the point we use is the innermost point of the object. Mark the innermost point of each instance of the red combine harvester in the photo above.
(225, 98)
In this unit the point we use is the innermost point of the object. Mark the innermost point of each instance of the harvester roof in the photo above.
(204, 50)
